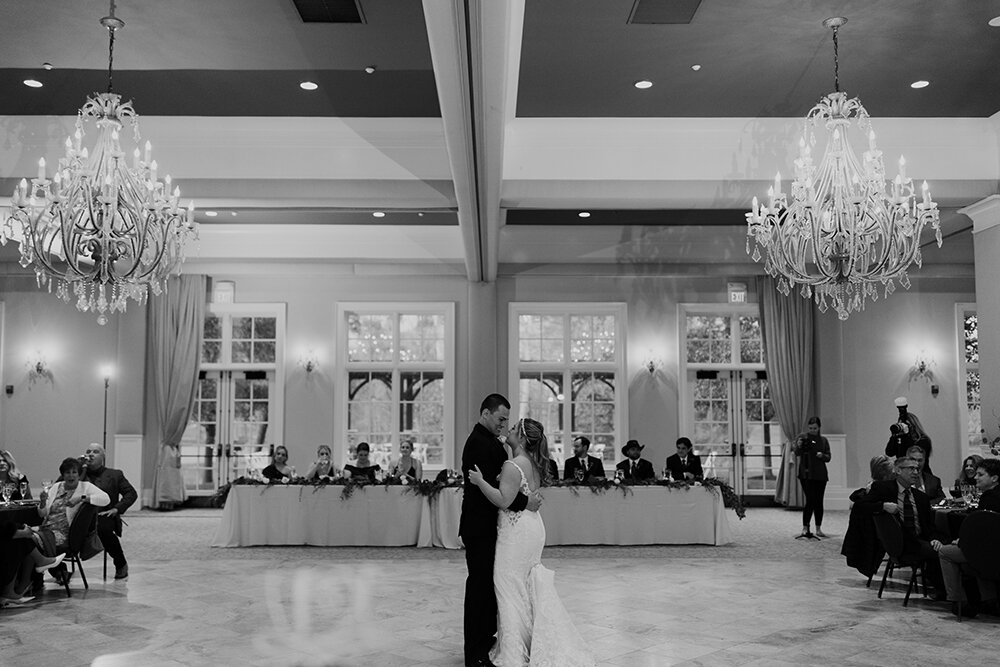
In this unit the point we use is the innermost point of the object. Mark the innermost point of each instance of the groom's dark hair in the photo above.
(493, 402)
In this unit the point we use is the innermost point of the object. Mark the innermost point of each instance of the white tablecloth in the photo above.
(278, 515)
(647, 515)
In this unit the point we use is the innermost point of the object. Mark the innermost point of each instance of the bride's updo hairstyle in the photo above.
(536, 447)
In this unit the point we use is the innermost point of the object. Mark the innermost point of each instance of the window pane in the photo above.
(593, 411)
(421, 338)
(971, 338)
(211, 351)
(241, 352)
(264, 328)
(973, 402)
(541, 338)
(242, 328)
(421, 413)
(370, 337)
(369, 413)
(541, 398)
(592, 337)
(708, 339)
(263, 353)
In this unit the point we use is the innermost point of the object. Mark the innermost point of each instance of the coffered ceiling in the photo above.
(485, 127)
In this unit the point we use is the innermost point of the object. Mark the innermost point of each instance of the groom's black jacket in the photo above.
(479, 515)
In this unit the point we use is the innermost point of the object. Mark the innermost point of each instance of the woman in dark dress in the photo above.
(364, 470)
(323, 466)
(967, 475)
(407, 465)
(279, 468)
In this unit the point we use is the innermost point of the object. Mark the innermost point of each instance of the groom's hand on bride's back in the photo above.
(534, 502)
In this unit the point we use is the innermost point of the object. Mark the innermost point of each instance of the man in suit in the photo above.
(952, 558)
(926, 482)
(684, 466)
(590, 466)
(478, 527)
(634, 468)
(912, 509)
(122, 494)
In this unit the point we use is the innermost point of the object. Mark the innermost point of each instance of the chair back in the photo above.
(84, 523)
(890, 534)
(979, 543)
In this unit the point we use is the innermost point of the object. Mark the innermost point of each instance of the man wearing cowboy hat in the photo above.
(635, 468)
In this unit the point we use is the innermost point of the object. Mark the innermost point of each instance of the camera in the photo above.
(895, 429)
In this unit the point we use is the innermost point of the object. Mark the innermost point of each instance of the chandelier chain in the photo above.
(111, 54)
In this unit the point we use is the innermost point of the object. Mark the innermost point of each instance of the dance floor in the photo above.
(764, 600)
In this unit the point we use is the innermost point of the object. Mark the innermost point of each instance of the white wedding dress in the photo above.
(533, 626)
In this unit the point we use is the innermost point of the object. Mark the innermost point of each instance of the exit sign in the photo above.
(737, 292)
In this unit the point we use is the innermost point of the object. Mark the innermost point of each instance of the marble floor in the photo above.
(765, 600)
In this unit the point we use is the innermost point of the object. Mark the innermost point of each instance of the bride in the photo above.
(533, 626)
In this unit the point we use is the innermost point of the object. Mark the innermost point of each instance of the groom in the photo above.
(478, 527)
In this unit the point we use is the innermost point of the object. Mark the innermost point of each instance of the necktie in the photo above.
(684, 462)
(909, 519)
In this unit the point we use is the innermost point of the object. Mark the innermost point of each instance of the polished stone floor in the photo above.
(765, 600)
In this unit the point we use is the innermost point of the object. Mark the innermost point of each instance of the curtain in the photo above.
(174, 324)
(786, 324)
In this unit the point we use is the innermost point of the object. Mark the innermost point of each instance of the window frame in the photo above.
(344, 368)
(515, 366)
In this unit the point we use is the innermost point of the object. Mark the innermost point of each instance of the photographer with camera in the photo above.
(906, 432)
(813, 451)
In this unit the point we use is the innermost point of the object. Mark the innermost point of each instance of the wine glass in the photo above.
(24, 489)
(8, 491)
(578, 474)
(967, 494)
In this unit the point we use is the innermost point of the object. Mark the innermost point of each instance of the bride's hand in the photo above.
(475, 476)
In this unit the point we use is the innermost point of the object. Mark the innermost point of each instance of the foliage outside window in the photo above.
(969, 374)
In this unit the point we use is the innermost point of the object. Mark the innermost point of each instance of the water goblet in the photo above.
(7, 491)
(578, 474)
(24, 489)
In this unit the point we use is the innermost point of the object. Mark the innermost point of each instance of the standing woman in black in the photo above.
(813, 451)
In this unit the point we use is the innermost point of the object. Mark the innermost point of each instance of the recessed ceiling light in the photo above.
(584, 214)
(420, 215)
(995, 21)
(211, 214)
(696, 67)
(370, 69)
(31, 83)
(233, 213)
(308, 85)
(47, 66)
(378, 214)
(643, 84)
(920, 84)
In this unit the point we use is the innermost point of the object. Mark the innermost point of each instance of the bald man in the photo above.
(122, 494)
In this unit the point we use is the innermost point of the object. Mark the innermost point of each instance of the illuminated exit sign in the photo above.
(737, 292)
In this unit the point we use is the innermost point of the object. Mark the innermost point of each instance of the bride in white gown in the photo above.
(533, 626)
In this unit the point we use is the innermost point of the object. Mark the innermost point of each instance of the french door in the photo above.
(734, 428)
(230, 430)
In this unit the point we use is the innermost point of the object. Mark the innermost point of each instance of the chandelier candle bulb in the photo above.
(41, 169)
(149, 149)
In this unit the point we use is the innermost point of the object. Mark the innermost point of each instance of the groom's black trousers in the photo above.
(480, 596)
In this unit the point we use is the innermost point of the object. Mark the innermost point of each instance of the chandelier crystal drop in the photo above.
(99, 227)
(844, 233)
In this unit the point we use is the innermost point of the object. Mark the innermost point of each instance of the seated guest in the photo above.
(952, 558)
(684, 466)
(582, 466)
(322, 466)
(19, 558)
(634, 468)
(364, 470)
(279, 470)
(926, 482)
(861, 546)
(122, 495)
(9, 474)
(912, 508)
(967, 476)
(407, 465)
(59, 505)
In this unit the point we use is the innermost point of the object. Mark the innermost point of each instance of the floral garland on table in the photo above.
(600, 485)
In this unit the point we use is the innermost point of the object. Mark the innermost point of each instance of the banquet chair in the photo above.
(84, 525)
(978, 541)
(890, 534)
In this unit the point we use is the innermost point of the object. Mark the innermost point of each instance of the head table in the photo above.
(380, 515)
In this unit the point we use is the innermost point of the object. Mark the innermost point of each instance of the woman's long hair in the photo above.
(536, 447)
(12, 472)
(976, 460)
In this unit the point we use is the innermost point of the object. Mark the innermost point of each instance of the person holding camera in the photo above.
(813, 451)
(906, 432)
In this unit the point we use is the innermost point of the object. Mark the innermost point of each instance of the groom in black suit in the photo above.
(478, 527)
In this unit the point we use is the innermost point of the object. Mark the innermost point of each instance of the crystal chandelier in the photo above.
(845, 230)
(104, 229)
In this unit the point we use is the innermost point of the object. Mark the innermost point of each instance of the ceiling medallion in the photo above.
(108, 231)
(844, 231)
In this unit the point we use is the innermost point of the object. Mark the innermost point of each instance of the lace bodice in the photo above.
(507, 516)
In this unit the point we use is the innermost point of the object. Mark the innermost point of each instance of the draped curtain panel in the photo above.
(174, 326)
(786, 324)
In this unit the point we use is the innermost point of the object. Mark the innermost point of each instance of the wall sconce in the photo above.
(309, 361)
(921, 370)
(653, 364)
(38, 369)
